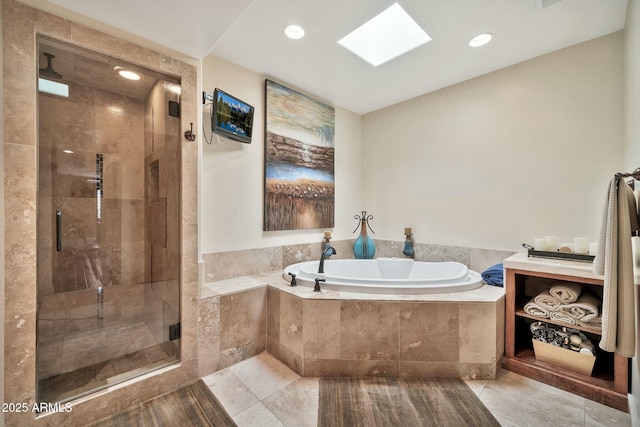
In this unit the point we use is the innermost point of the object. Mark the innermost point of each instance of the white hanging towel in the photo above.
(614, 260)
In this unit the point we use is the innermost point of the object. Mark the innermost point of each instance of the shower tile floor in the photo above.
(78, 351)
(261, 391)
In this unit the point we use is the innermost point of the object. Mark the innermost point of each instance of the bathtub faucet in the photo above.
(325, 252)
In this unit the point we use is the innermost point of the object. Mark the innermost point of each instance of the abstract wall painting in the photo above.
(299, 161)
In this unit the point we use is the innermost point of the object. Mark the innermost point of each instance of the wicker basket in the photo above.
(562, 357)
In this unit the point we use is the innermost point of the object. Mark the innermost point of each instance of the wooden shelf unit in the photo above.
(609, 383)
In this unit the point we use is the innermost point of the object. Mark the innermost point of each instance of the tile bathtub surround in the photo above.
(20, 24)
(335, 334)
(220, 266)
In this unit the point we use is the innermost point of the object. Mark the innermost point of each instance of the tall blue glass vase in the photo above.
(364, 247)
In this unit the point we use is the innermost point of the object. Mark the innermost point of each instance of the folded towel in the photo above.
(546, 300)
(493, 275)
(595, 323)
(586, 308)
(561, 316)
(566, 292)
(534, 309)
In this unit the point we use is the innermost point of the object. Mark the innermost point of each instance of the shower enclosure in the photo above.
(108, 221)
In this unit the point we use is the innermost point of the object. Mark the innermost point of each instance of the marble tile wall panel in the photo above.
(350, 368)
(243, 326)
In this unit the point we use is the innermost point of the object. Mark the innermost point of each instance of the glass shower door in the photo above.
(108, 224)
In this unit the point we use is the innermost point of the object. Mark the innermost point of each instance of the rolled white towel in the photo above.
(561, 316)
(547, 301)
(534, 309)
(566, 293)
(586, 308)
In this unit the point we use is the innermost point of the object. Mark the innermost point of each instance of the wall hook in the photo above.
(189, 135)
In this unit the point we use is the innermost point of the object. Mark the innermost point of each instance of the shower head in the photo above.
(49, 72)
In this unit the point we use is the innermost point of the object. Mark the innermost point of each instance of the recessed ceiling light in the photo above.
(67, 151)
(294, 32)
(480, 40)
(130, 75)
(385, 37)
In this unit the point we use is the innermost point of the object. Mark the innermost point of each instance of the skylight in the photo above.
(385, 37)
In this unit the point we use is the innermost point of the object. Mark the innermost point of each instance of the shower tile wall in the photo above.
(20, 26)
(102, 237)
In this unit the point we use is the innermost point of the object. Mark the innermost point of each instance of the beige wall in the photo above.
(493, 162)
(233, 173)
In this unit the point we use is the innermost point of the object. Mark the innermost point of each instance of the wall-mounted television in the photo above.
(231, 117)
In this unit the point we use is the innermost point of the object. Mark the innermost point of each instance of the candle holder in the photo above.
(408, 244)
(326, 244)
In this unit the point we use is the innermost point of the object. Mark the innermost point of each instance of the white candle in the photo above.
(581, 245)
(567, 245)
(593, 248)
(552, 243)
(540, 244)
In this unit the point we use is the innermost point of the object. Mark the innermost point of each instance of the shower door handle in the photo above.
(59, 230)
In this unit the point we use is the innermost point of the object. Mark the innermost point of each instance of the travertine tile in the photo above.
(321, 321)
(515, 398)
(437, 253)
(284, 355)
(361, 336)
(429, 332)
(263, 374)
(257, 416)
(350, 368)
(481, 259)
(598, 415)
(208, 335)
(234, 396)
(429, 369)
(291, 325)
(225, 265)
(273, 313)
(297, 403)
(242, 326)
(477, 343)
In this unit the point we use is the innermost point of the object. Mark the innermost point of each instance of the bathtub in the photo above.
(387, 276)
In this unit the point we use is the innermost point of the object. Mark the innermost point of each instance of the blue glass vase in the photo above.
(364, 247)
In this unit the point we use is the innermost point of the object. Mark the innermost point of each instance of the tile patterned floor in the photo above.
(261, 391)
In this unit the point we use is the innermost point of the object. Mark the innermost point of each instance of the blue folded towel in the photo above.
(493, 275)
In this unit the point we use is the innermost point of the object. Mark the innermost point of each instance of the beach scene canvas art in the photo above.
(299, 161)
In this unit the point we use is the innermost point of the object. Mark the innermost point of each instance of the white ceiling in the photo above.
(250, 33)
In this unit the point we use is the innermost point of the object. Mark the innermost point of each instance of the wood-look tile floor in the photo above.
(261, 391)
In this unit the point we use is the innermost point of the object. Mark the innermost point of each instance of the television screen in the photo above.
(231, 117)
